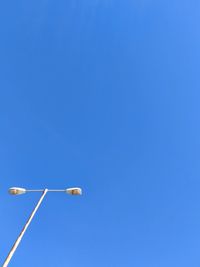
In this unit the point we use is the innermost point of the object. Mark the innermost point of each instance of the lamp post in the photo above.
(19, 191)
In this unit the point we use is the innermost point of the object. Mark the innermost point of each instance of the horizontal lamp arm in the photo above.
(70, 191)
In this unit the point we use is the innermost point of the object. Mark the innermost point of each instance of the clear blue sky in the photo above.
(104, 95)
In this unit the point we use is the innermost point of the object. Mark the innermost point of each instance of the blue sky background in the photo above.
(103, 95)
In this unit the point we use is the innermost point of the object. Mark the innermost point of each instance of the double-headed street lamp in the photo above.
(19, 191)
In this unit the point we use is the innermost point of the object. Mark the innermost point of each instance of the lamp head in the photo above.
(17, 190)
(74, 191)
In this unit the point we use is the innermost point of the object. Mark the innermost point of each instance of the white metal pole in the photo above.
(17, 242)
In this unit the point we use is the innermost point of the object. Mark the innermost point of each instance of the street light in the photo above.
(19, 191)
